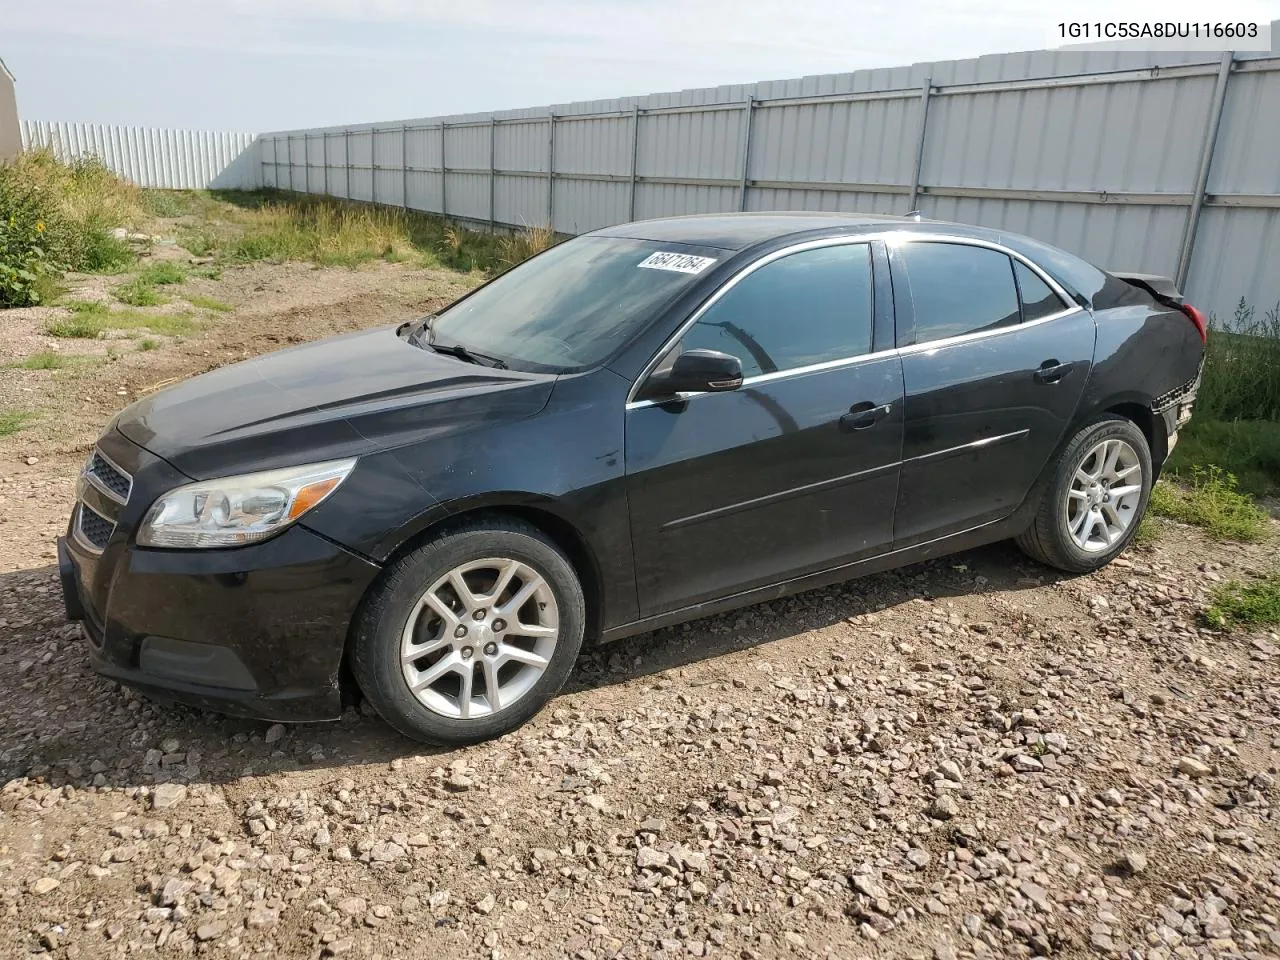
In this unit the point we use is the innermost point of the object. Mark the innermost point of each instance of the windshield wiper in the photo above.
(470, 356)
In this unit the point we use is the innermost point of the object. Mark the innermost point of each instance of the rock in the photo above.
(1036, 894)
(387, 852)
(45, 885)
(1025, 763)
(262, 918)
(1193, 768)
(459, 784)
(1133, 862)
(353, 906)
(173, 891)
(944, 807)
(336, 948)
(167, 795)
(649, 858)
(485, 906)
(951, 771)
(211, 931)
(1112, 797)
(275, 733)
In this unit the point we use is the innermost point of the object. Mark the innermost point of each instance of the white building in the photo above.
(10, 133)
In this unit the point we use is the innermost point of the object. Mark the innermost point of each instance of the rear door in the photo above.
(796, 470)
(994, 361)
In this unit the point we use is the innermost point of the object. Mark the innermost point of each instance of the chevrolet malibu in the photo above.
(640, 426)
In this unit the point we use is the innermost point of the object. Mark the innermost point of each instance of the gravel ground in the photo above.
(972, 757)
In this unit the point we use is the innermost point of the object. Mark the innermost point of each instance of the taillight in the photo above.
(1196, 317)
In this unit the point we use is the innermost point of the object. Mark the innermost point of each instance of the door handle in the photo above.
(1051, 371)
(864, 414)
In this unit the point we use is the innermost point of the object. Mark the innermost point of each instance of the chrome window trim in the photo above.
(101, 487)
(891, 237)
(930, 345)
(767, 377)
(729, 285)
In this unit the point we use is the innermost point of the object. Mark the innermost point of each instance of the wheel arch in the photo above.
(539, 511)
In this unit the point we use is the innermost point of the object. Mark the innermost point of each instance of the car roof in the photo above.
(737, 231)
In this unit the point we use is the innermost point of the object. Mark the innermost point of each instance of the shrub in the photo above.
(58, 216)
(1213, 502)
(520, 246)
(138, 292)
(1242, 367)
(26, 216)
(163, 272)
(45, 360)
(199, 243)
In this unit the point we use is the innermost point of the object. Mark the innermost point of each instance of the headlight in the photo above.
(234, 511)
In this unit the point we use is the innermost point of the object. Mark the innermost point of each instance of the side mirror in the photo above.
(696, 371)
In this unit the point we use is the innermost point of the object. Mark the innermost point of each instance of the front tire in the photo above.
(469, 635)
(1095, 500)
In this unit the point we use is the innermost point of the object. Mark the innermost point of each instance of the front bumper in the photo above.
(254, 631)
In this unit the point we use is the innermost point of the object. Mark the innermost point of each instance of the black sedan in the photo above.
(640, 426)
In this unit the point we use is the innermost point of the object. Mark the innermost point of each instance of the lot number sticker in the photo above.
(679, 262)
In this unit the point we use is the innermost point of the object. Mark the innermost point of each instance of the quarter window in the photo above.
(957, 289)
(804, 308)
(1037, 299)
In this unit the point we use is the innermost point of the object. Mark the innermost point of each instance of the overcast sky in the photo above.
(260, 65)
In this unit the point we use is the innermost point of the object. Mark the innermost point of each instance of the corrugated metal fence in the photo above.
(1159, 162)
(176, 159)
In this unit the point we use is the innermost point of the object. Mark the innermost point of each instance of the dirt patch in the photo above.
(972, 757)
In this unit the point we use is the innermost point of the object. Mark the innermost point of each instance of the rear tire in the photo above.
(469, 635)
(1095, 499)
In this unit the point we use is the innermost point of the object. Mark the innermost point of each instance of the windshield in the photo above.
(574, 305)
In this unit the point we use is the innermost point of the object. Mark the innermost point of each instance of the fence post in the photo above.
(1202, 175)
(373, 163)
(324, 149)
(289, 151)
(749, 109)
(444, 173)
(635, 153)
(925, 90)
(346, 161)
(404, 166)
(551, 171)
(493, 175)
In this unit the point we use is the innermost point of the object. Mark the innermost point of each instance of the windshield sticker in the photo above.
(679, 262)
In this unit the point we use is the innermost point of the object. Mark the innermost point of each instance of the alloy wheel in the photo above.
(479, 638)
(1103, 499)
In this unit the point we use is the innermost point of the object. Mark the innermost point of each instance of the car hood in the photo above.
(341, 397)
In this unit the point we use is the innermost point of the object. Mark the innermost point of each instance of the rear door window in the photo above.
(957, 289)
(1037, 299)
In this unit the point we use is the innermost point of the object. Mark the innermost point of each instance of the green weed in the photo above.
(1213, 502)
(208, 303)
(11, 421)
(138, 292)
(1253, 604)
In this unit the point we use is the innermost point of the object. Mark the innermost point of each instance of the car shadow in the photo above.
(64, 724)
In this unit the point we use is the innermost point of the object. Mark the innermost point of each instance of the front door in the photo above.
(795, 471)
(994, 363)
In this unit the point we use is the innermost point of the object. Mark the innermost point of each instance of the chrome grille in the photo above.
(92, 528)
(108, 478)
